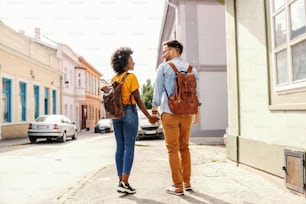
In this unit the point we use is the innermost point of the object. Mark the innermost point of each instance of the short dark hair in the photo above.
(174, 44)
(120, 58)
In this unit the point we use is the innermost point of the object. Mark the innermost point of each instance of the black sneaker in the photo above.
(120, 187)
(125, 188)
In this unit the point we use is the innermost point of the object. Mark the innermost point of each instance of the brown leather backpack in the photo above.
(185, 100)
(112, 99)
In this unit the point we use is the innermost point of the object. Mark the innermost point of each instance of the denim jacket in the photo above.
(164, 83)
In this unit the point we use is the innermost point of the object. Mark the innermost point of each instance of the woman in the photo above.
(126, 128)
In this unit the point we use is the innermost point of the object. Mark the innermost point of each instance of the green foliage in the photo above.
(147, 94)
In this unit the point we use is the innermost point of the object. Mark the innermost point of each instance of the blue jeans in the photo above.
(125, 130)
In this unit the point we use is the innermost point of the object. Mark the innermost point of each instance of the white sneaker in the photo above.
(188, 188)
(174, 190)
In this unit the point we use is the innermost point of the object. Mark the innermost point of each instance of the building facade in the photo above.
(41, 77)
(70, 83)
(90, 108)
(190, 22)
(266, 43)
(30, 82)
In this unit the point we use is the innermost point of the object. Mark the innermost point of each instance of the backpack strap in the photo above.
(173, 67)
(122, 81)
(189, 70)
(175, 71)
(124, 77)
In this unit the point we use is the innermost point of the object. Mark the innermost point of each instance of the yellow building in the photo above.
(30, 82)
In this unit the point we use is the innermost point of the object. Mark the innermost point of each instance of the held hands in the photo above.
(153, 119)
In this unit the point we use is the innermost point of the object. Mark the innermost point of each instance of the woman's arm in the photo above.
(152, 119)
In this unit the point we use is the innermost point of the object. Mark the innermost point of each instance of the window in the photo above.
(71, 112)
(66, 109)
(22, 101)
(54, 101)
(65, 74)
(79, 81)
(289, 45)
(6, 100)
(36, 101)
(46, 101)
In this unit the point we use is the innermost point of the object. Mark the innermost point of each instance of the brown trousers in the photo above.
(177, 134)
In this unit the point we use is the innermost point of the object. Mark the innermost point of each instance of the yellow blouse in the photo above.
(129, 86)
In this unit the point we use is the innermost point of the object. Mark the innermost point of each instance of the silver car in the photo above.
(104, 126)
(148, 130)
(52, 127)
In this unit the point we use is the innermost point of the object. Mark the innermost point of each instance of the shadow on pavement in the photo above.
(196, 197)
(191, 197)
(140, 200)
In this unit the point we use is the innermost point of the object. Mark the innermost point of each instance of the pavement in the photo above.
(13, 142)
(215, 179)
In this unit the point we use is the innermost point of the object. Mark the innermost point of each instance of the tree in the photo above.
(147, 94)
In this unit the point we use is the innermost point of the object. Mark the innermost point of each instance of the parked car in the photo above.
(104, 125)
(148, 130)
(50, 127)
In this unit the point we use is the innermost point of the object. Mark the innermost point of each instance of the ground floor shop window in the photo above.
(36, 101)
(54, 101)
(46, 101)
(22, 101)
(6, 100)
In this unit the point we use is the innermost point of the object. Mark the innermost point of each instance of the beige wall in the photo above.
(262, 133)
(24, 60)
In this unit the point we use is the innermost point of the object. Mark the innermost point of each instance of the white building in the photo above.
(69, 63)
(200, 26)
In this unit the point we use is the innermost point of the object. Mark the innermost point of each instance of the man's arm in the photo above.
(158, 90)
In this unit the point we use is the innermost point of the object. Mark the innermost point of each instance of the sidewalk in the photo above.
(13, 142)
(22, 141)
(214, 180)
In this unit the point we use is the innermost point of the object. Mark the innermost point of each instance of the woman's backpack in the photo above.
(112, 99)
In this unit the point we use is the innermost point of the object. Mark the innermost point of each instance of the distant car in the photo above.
(148, 130)
(104, 125)
(50, 127)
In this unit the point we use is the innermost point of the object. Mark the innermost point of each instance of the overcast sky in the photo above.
(94, 28)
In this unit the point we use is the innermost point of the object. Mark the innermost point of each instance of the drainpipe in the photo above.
(237, 83)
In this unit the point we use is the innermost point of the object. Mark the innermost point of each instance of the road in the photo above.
(45, 172)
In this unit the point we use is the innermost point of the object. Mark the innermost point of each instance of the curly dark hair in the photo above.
(119, 59)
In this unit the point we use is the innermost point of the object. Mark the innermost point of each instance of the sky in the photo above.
(94, 29)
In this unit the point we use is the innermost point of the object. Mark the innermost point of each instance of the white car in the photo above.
(52, 127)
(104, 126)
(148, 130)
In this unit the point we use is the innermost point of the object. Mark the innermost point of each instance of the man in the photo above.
(176, 127)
